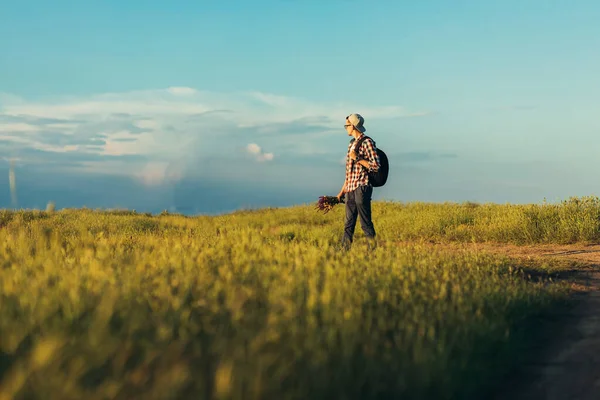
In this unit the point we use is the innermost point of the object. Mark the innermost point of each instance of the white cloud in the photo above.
(16, 138)
(144, 133)
(253, 148)
(265, 157)
(56, 149)
(181, 91)
(146, 124)
(257, 151)
(17, 127)
(113, 148)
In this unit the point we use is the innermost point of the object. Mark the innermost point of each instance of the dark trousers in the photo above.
(358, 203)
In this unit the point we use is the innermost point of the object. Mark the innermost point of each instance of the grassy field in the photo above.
(263, 304)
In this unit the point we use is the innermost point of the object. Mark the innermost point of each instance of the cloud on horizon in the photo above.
(164, 136)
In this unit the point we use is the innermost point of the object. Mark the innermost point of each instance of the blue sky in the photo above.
(154, 105)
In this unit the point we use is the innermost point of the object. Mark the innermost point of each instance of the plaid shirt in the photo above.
(356, 174)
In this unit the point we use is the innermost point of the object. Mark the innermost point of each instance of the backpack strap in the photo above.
(359, 143)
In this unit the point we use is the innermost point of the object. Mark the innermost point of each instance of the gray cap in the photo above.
(357, 121)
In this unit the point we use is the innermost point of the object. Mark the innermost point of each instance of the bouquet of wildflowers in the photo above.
(326, 203)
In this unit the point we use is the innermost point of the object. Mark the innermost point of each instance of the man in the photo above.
(357, 189)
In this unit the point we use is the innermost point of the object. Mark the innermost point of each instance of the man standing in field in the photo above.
(357, 189)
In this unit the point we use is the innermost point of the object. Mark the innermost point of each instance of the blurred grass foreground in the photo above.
(264, 305)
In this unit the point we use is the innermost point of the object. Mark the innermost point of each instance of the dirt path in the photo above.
(569, 365)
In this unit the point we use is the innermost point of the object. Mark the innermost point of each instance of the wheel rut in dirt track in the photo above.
(568, 367)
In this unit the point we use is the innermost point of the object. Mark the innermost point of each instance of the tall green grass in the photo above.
(569, 221)
(263, 304)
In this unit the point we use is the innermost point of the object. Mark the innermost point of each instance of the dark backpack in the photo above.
(378, 178)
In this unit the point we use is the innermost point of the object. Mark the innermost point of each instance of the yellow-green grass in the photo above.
(264, 304)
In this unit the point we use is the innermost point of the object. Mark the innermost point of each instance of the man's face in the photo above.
(349, 127)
